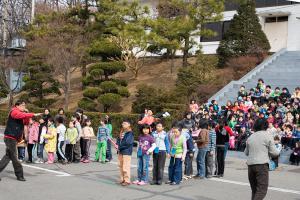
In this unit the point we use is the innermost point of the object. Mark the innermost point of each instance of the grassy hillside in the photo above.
(155, 73)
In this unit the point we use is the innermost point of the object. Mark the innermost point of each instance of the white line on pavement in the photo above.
(232, 182)
(63, 174)
(59, 174)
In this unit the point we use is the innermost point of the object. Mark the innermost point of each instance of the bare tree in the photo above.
(15, 15)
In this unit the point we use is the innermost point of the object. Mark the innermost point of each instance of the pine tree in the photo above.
(39, 81)
(244, 36)
(100, 87)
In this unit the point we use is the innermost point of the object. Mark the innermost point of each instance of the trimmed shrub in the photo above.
(108, 100)
(109, 87)
(92, 92)
(87, 104)
(44, 103)
(123, 91)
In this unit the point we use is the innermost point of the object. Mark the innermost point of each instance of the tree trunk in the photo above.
(186, 51)
(67, 89)
(172, 62)
(10, 99)
(83, 74)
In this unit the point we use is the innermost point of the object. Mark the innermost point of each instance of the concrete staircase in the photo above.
(282, 69)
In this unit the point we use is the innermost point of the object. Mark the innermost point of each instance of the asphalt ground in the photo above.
(99, 181)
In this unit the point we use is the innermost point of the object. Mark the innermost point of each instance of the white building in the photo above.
(280, 20)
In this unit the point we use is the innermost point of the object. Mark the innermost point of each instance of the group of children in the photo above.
(70, 144)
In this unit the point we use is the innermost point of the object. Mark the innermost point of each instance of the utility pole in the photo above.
(4, 23)
(32, 11)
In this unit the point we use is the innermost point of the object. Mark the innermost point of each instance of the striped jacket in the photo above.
(212, 140)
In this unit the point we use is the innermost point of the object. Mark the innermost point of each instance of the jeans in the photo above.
(159, 160)
(143, 168)
(40, 151)
(188, 164)
(175, 170)
(21, 153)
(108, 151)
(220, 160)
(226, 149)
(201, 162)
(258, 176)
(209, 162)
(11, 155)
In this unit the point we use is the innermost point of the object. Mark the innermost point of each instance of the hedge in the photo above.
(116, 119)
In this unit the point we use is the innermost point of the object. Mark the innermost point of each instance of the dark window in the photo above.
(219, 28)
(270, 19)
(276, 19)
(282, 19)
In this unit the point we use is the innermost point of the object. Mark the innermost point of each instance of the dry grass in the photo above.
(155, 73)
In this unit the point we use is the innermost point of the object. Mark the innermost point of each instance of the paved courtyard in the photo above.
(99, 181)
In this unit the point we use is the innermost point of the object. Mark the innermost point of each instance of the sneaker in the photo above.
(107, 160)
(142, 183)
(21, 179)
(185, 177)
(125, 184)
(153, 183)
(136, 182)
(86, 161)
(168, 182)
(174, 183)
(103, 162)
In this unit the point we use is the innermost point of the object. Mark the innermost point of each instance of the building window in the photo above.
(276, 19)
(219, 28)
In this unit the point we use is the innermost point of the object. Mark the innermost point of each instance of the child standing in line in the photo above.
(178, 153)
(51, 141)
(124, 147)
(188, 163)
(109, 143)
(145, 148)
(160, 153)
(42, 132)
(70, 139)
(61, 131)
(87, 135)
(279, 148)
(102, 137)
(209, 158)
(295, 156)
(32, 137)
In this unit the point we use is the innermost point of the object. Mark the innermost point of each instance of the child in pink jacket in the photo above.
(32, 137)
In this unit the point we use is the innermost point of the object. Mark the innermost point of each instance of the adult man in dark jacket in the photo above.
(260, 145)
(13, 132)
